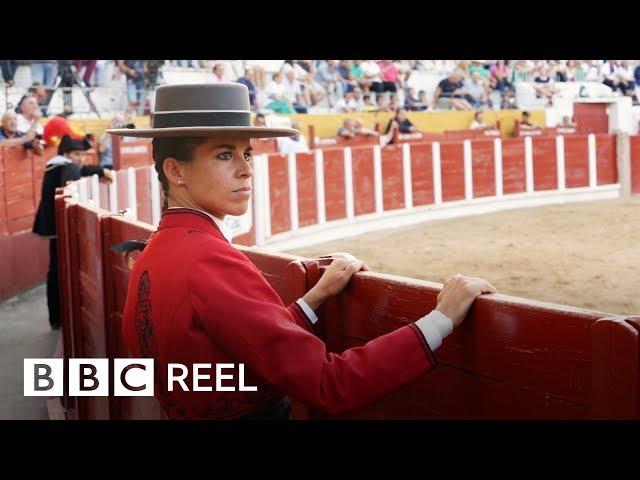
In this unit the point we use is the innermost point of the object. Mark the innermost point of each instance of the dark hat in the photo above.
(68, 144)
(203, 110)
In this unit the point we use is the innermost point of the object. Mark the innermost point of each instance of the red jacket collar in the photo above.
(186, 217)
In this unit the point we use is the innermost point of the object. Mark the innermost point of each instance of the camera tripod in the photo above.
(66, 79)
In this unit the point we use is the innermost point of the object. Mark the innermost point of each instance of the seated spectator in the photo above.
(401, 122)
(478, 122)
(275, 91)
(618, 77)
(477, 90)
(636, 75)
(382, 104)
(247, 80)
(390, 74)
(592, 72)
(477, 66)
(450, 93)
(347, 130)
(356, 70)
(499, 76)
(567, 122)
(368, 104)
(218, 73)
(360, 129)
(293, 144)
(544, 85)
(29, 114)
(260, 120)
(627, 84)
(557, 71)
(525, 122)
(413, 103)
(11, 137)
(293, 92)
(344, 67)
(328, 76)
(422, 97)
(571, 70)
(347, 104)
(350, 83)
(371, 79)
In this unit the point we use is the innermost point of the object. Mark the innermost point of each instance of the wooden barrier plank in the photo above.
(545, 166)
(576, 161)
(279, 193)
(392, 178)
(422, 173)
(306, 185)
(483, 170)
(635, 163)
(335, 205)
(452, 168)
(89, 317)
(616, 368)
(364, 200)
(606, 159)
(513, 166)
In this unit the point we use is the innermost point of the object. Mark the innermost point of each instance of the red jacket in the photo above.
(194, 298)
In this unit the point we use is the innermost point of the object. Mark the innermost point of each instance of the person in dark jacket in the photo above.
(65, 167)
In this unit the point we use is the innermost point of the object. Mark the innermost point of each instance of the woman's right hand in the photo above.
(458, 294)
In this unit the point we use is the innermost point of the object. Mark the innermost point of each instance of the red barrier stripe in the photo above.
(363, 185)
(279, 194)
(483, 168)
(422, 173)
(545, 166)
(513, 166)
(392, 178)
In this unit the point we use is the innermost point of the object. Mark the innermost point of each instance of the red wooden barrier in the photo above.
(635, 163)
(513, 168)
(392, 179)
(422, 173)
(363, 184)
(606, 159)
(306, 187)
(131, 152)
(511, 359)
(334, 184)
(86, 276)
(452, 168)
(279, 198)
(483, 168)
(545, 166)
(576, 161)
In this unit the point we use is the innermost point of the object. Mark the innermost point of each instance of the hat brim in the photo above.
(253, 132)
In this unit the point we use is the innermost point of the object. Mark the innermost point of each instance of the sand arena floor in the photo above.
(581, 254)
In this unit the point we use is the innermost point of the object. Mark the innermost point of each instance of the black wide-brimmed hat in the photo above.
(69, 144)
(203, 110)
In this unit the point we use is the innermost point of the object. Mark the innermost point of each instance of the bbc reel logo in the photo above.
(88, 377)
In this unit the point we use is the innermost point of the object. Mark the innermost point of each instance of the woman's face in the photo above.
(218, 179)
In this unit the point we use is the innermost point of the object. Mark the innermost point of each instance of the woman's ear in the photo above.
(173, 170)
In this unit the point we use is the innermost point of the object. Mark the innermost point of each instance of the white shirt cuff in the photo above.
(311, 315)
(435, 326)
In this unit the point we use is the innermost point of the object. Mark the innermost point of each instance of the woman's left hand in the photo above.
(335, 277)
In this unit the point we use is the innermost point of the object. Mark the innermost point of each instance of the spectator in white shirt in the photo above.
(294, 92)
(371, 79)
(218, 73)
(347, 104)
(275, 89)
(293, 144)
(28, 114)
(591, 71)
